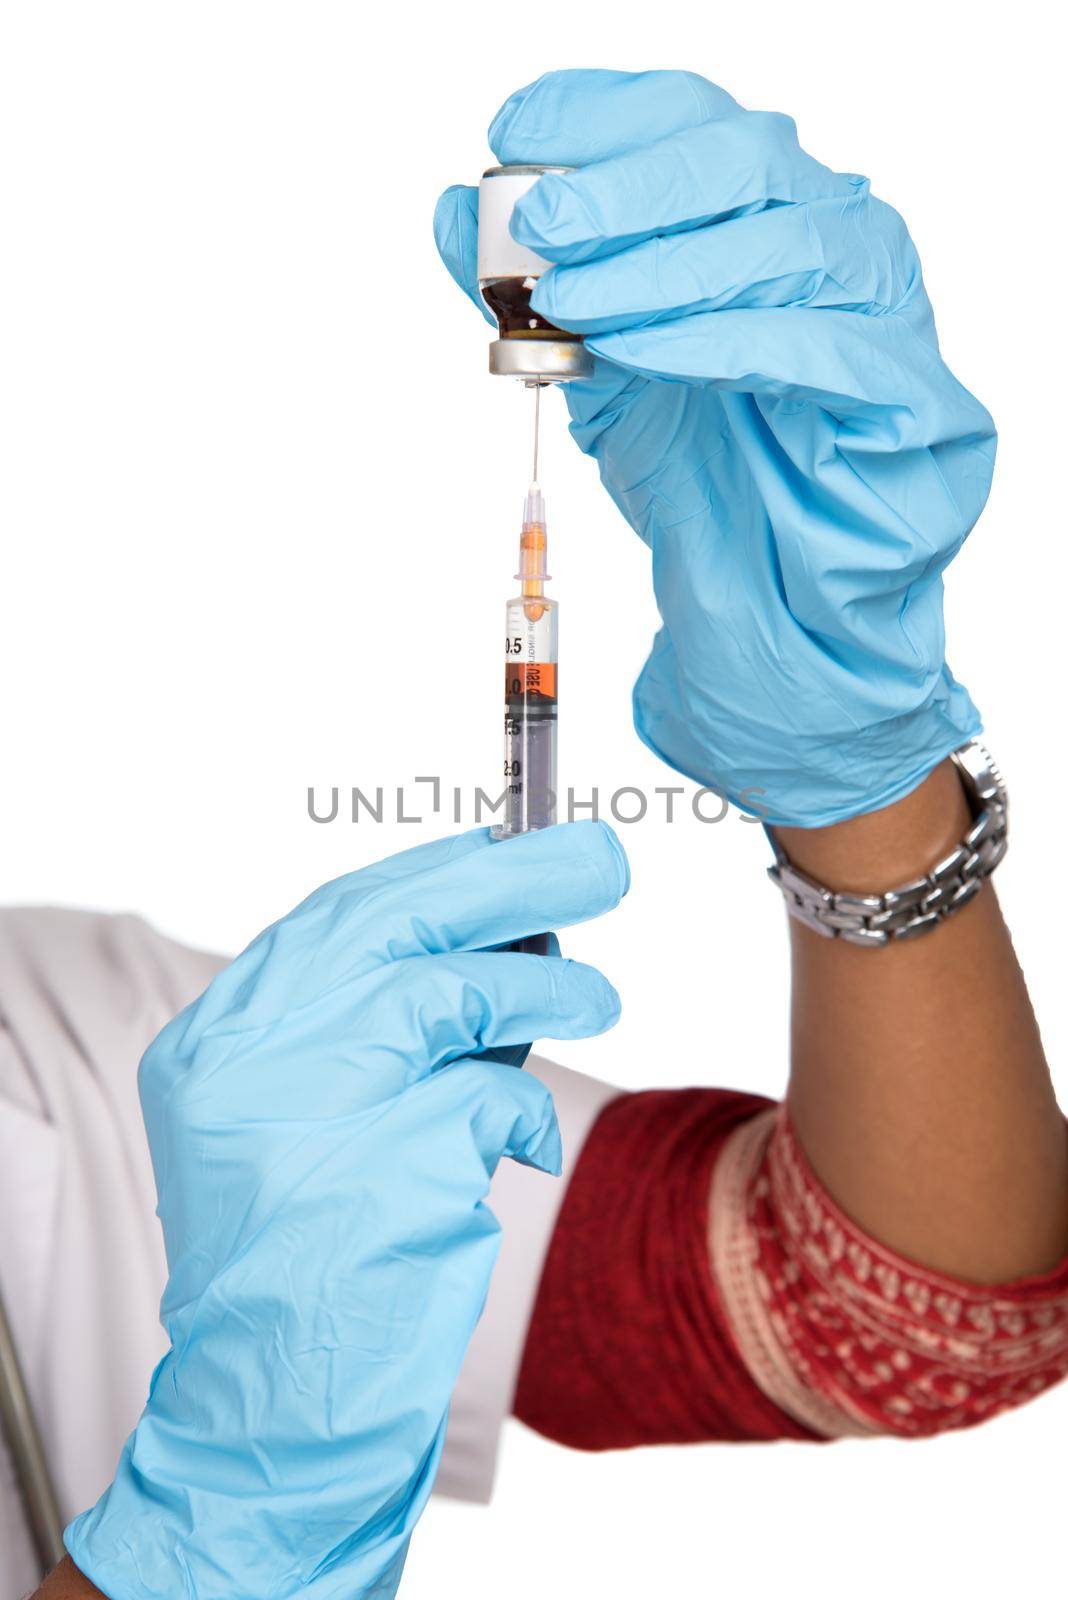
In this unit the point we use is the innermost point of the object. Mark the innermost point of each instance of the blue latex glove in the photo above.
(323, 1141)
(770, 412)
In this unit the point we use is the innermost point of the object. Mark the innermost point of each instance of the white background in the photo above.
(259, 507)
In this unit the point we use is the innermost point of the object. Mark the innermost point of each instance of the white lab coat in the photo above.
(81, 1252)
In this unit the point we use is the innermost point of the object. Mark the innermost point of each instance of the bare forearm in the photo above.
(65, 1582)
(918, 1087)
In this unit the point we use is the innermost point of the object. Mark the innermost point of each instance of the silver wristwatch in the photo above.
(917, 907)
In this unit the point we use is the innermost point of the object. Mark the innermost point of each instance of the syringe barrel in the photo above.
(530, 710)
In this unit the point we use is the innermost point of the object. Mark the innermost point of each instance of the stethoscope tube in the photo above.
(19, 1428)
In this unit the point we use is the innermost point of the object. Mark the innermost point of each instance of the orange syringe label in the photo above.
(530, 680)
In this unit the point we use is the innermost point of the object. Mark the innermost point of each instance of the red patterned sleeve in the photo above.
(702, 1285)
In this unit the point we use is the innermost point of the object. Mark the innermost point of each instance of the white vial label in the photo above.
(499, 256)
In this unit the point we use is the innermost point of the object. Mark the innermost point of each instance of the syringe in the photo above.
(530, 678)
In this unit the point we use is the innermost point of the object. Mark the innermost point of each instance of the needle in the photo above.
(537, 421)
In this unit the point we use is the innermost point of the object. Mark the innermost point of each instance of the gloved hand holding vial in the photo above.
(769, 410)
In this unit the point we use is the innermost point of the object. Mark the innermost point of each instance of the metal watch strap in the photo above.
(915, 908)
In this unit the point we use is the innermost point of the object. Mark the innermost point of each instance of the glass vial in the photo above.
(527, 346)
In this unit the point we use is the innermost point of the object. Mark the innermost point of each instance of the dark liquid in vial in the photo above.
(509, 300)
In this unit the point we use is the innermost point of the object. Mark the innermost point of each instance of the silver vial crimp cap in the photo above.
(540, 360)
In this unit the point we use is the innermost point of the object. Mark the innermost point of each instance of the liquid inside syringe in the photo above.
(530, 683)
